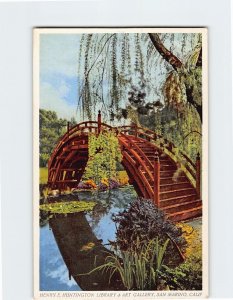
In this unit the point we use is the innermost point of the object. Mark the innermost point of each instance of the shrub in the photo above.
(187, 276)
(143, 221)
(87, 185)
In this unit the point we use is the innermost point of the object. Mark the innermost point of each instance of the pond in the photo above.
(70, 245)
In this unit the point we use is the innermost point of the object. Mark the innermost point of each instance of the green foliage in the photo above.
(68, 207)
(51, 129)
(183, 94)
(138, 271)
(184, 131)
(44, 157)
(114, 72)
(104, 154)
(179, 86)
(86, 92)
(187, 276)
(174, 91)
(193, 80)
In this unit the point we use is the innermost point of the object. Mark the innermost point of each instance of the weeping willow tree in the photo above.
(141, 76)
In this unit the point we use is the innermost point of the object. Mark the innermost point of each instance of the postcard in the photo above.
(120, 199)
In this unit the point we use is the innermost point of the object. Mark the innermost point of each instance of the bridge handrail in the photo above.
(145, 130)
(145, 180)
(78, 127)
(139, 157)
(72, 132)
(137, 130)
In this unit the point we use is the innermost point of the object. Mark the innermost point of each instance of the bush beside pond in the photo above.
(143, 221)
(140, 224)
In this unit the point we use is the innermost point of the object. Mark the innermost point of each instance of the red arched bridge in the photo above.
(153, 165)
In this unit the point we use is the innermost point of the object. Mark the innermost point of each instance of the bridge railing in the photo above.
(191, 169)
(141, 162)
(79, 129)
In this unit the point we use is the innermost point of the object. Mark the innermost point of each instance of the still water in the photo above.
(60, 239)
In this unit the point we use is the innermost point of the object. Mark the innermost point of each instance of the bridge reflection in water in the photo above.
(81, 251)
(77, 239)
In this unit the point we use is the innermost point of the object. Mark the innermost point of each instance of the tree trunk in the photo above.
(165, 53)
(177, 65)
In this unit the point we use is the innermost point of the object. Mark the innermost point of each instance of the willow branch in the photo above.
(88, 72)
(194, 131)
(101, 82)
(99, 54)
(199, 60)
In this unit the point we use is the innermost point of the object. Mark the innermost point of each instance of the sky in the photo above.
(58, 73)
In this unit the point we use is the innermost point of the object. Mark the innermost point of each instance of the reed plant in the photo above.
(137, 270)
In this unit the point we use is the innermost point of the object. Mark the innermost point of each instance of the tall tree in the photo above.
(181, 69)
(118, 64)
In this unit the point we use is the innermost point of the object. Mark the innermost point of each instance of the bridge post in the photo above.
(157, 180)
(198, 175)
(68, 128)
(99, 121)
(135, 130)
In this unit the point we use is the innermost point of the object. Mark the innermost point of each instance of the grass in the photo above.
(43, 175)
